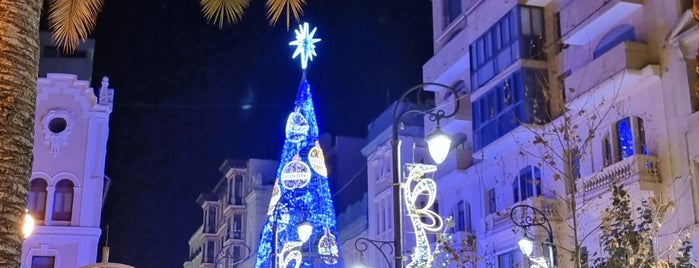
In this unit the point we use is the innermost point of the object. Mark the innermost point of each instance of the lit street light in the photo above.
(526, 243)
(438, 144)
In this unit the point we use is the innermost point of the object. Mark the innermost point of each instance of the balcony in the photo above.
(641, 169)
(615, 70)
(452, 59)
(552, 208)
(583, 21)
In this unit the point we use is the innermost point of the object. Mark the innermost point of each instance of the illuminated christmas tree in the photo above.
(301, 230)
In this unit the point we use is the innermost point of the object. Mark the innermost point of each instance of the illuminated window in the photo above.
(628, 139)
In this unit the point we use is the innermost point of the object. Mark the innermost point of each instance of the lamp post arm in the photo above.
(361, 244)
(528, 221)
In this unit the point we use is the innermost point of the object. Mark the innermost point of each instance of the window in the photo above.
(519, 34)
(527, 184)
(607, 150)
(43, 261)
(492, 206)
(452, 10)
(516, 100)
(628, 140)
(510, 259)
(463, 216)
(237, 255)
(574, 163)
(209, 253)
(618, 35)
(238, 198)
(63, 201)
(210, 220)
(237, 226)
(584, 257)
(37, 199)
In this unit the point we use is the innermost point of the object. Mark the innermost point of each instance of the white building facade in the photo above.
(234, 213)
(68, 182)
(559, 101)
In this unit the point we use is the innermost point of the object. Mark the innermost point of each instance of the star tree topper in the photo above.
(305, 44)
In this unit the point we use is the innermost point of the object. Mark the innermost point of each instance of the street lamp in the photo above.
(526, 243)
(438, 146)
(28, 226)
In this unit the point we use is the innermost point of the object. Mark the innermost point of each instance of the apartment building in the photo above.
(559, 100)
(234, 213)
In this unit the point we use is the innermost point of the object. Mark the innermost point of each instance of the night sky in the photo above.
(182, 86)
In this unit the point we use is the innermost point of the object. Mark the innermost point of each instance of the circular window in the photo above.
(57, 125)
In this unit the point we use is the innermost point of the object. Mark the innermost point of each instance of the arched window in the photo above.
(37, 198)
(63, 201)
(621, 33)
(527, 184)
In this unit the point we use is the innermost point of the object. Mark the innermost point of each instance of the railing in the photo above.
(637, 168)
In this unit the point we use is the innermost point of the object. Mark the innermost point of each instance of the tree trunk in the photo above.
(19, 55)
(695, 12)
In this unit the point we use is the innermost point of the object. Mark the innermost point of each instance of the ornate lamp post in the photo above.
(526, 243)
(439, 145)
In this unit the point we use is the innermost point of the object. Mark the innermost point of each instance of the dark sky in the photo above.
(180, 85)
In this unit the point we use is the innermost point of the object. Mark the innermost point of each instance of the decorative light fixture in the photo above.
(28, 226)
(434, 114)
(305, 229)
(438, 144)
(527, 217)
(526, 244)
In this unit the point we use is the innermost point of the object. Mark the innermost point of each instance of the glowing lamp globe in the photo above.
(305, 229)
(28, 226)
(438, 144)
(526, 245)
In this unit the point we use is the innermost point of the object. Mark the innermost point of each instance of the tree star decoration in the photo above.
(305, 44)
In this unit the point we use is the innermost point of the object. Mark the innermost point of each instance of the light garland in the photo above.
(291, 252)
(422, 255)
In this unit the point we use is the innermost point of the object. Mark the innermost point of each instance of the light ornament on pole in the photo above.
(438, 144)
(423, 187)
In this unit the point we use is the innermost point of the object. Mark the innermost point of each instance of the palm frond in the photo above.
(275, 8)
(72, 20)
(224, 11)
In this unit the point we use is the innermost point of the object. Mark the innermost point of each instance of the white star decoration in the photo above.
(304, 44)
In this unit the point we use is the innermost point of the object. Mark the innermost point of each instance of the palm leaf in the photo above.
(220, 11)
(275, 8)
(72, 20)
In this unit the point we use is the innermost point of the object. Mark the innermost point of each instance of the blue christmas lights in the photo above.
(296, 199)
